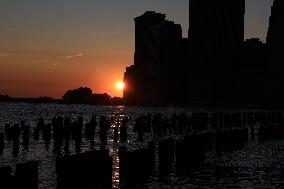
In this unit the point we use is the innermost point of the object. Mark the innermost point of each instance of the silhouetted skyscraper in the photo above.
(154, 77)
(253, 70)
(140, 79)
(216, 27)
(144, 26)
(216, 31)
(275, 41)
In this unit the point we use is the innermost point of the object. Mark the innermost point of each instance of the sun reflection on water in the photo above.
(115, 173)
(114, 149)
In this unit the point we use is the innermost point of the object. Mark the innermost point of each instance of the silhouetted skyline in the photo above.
(49, 47)
(214, 66)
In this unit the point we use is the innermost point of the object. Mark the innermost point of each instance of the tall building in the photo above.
(144, 26)
(216, 27)
(251, 89)
(275, 42)
(214, 65)
(216, 32)
(158, 60)
(205, 67)
(275, 35)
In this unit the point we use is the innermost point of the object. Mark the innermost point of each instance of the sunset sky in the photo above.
(50, 46)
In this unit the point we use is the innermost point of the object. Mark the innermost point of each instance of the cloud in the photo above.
(74, 56)
(44, 60)
(57, 60)
(3, 55)
(55, 64)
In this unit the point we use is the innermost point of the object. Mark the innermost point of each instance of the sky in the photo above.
(50, 46)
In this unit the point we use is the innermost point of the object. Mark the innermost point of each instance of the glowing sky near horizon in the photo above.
(50, 46)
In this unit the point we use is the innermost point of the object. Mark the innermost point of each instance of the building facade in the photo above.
(156, 74)
(216, 32)
(214, 65)
(275, 41)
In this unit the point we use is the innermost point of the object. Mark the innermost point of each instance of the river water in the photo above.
(255, 165)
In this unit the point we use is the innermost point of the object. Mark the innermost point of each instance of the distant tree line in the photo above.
(82, 95)
(86, 96)
(4, 98)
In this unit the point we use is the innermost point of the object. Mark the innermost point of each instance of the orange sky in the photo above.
(32, 74)
(49, 47)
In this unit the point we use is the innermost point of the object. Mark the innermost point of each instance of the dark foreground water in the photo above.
(255, 165)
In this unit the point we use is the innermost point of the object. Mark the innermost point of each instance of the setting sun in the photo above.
(120, 85)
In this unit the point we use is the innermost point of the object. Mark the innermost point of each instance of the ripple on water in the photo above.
(258, 165)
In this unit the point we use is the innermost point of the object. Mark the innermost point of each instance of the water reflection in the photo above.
(116, 119)
(162, 148)
(115, 175)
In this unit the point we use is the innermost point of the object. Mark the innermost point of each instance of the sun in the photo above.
(120, 85)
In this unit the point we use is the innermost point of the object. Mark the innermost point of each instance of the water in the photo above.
(256, 165)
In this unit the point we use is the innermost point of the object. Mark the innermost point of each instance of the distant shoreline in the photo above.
(193, 106)
(49, 101)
